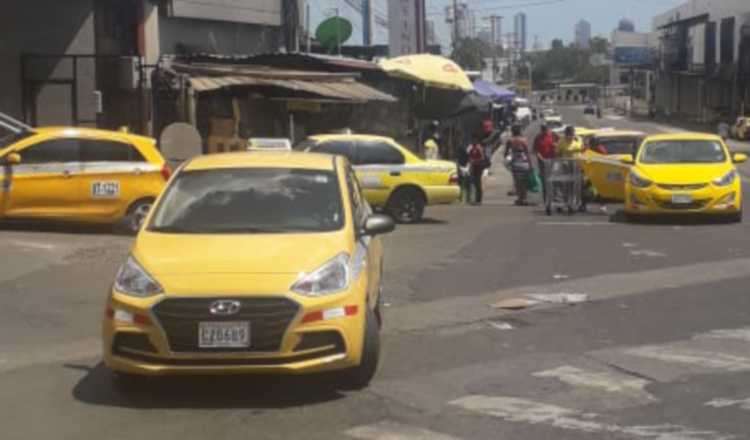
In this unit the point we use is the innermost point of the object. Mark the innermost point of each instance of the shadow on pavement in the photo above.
(669, 220)
(97, 387)
(61, 228)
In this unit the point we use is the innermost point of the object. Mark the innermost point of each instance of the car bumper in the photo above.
(147, 345)
(710, 200)
(442, 195)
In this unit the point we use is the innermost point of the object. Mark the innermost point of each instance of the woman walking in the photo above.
(520, 163)
(477, 164)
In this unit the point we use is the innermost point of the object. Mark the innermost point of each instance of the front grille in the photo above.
(688, 187)
(268, 317)
(128, 342)
(696, 204)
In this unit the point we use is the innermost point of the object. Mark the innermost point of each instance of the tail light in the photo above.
(453, 180)
(166, 172)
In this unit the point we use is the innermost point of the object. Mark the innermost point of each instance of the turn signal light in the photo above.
(323, 315)
(453, 180)
(166, 172)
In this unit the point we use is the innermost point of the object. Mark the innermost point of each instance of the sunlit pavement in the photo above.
(658, 349)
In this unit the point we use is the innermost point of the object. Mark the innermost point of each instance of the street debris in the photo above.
(560, 298)
(500, 325)
(629, 245)
(514, 304)
(647, 253)
(560, 276)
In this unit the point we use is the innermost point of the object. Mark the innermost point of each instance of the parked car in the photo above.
(392, 177)
(81, 175)
(675, 174)
(252, 263)
(589, 109)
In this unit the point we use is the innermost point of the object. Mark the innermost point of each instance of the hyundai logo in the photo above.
(225, 307)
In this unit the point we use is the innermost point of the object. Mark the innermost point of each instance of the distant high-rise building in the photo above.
(626, 25)
(431, 37)
(520, 31)
(582, 34)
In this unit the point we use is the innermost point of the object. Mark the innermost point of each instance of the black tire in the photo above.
(359, 377)
(406, 205)
(136, 214)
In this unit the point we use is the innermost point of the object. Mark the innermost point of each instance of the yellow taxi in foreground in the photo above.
(263, 262)
(392, 177)
(683, 173)
(78, 175)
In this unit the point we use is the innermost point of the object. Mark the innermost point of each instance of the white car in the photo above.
(523, 115)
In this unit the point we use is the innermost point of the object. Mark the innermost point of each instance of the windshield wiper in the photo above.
(172, 229)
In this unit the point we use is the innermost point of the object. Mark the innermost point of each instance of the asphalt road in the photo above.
(660, 349)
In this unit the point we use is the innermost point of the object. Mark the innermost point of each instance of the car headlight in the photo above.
(329, 278)
(132, 279)
(725, 180)
(639, 181)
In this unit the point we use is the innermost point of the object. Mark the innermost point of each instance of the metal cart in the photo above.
(563, 184)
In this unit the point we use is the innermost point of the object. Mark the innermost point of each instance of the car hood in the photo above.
(683, 174)
(205, 254)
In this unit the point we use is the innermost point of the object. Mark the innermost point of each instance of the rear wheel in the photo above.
(136, 215)
(406, 205)
(360, 376)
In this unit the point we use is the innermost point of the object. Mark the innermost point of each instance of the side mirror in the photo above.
(12, 159)
(378, 224)
(739, 158)
(628, 159)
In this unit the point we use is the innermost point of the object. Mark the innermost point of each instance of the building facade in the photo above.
(520, 31)
(88, 62)
(582, 37)
(704, 60)
(407, 27)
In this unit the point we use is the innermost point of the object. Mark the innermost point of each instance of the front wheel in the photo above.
(360, 376)
(406, 205)
(735, 217)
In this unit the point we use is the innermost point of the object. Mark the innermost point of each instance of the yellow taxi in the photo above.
(609, 145)
(392, 177)
(683, 173)
(263, 262)
(78, 175)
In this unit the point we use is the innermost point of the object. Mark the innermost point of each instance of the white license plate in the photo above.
(105, 190)
(224, 334)
(682, 199)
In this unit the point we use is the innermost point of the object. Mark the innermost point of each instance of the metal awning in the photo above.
(689, 21)
(290, 83)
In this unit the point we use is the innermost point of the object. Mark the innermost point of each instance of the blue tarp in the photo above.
(492, 91)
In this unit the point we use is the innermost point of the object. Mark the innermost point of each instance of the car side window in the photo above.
(341, 148)
(378, 153)
(359, 206)
(53, 151)
(93, 150)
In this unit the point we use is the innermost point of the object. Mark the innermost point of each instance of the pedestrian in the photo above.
(544, 149)
(570, 146)
(431, 145)
(477, 164)
(520, 163)
(464, 174)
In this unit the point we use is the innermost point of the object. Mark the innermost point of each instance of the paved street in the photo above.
(659, 350)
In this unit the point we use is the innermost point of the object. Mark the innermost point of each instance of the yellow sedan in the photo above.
(392, 177)
(684, 173)
(78, 175)
(263, 262)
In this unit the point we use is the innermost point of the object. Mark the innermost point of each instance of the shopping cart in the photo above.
(563, 182)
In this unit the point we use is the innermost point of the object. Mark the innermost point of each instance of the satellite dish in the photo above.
(180, 142)
(333, 31)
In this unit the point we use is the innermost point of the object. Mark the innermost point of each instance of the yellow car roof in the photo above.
(263, 159)
(354, 137)
(686, 136)
(619, 133)
(91, 132)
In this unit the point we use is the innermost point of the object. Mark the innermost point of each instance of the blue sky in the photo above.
(549, 21)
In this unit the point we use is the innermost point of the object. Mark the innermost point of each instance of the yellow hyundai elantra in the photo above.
(261, 262)
(684, 173)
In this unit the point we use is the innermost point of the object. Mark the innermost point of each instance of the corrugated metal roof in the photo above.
(337, 86)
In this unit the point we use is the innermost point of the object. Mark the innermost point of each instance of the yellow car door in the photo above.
(111, 174)
(607, 174)
(380, 168)
(46, 184)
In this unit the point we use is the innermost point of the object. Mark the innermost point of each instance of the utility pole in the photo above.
(307, 25)
(338, 30)
(455, 24)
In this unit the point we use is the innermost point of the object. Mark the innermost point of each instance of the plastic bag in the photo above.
(534, 181)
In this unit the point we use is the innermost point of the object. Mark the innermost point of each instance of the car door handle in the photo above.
(66, 174)
(395, 173)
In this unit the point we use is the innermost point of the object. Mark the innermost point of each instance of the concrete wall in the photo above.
(186, 34)
(45, 26)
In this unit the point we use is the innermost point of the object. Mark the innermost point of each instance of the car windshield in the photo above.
(250, 200)
(673, 152)
(619, 146)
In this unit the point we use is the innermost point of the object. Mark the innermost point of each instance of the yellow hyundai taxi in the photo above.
(392, 177)
(78, 175)
(263, 262)
(683, 173)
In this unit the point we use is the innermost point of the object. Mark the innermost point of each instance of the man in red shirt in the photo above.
(544, 148)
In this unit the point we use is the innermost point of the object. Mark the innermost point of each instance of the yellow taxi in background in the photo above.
(263, 262)
(683, 173)
(392, 177)
(78, 175)
(609, 145)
